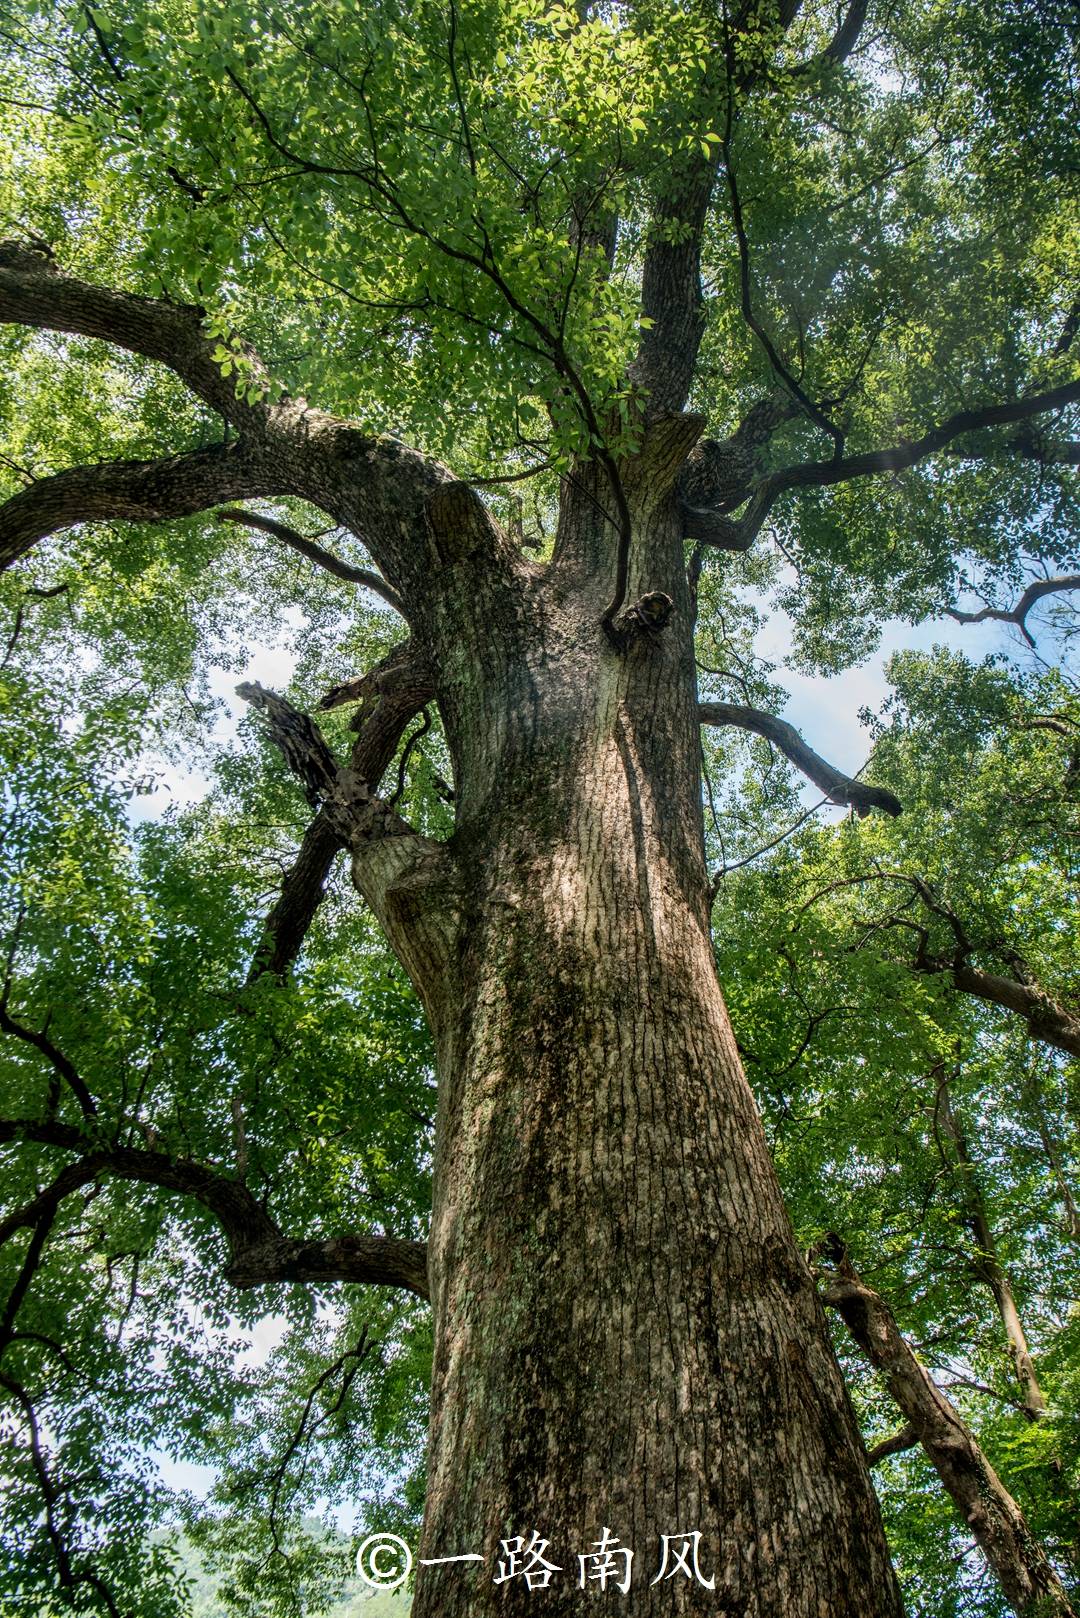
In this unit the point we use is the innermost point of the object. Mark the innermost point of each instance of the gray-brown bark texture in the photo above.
(626, 1335)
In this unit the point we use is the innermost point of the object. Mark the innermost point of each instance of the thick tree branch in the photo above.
(738, 534)
(131, 491)
(47, 1201)
(671, 295)
(373, 1260)
(907, 1438)
(719, 472)
(349, 803)
(258, 1252)
(671, 291)
(241, 1217)
(842, 43)
(315, 553)
(303, 747)
(838, 787)
(33, 292)
(404, 679)
(377, 487)
(1018, 615)
(1047, 1021)
(1027, 1579)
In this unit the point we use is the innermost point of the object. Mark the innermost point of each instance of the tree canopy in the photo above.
(475, 233)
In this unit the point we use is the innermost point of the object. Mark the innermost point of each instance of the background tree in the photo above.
(548, 331)
(905, 1105)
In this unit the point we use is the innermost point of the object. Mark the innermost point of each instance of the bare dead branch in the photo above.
(406, 878)
(302, 744)
(389, 695)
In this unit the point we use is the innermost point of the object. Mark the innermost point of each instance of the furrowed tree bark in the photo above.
(1027, 1579)
(626, 1334)
(132, 491)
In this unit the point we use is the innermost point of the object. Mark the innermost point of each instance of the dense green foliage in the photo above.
(899, 1107)
(380, 197)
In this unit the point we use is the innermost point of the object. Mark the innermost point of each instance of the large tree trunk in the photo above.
(626, 1335)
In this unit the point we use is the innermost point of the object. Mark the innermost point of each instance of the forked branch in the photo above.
(1047, 1020)
(378, 488)
(1018, 615)
(725, 533)
(259, 1254)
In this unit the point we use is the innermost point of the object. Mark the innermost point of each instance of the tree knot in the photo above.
(647, 616)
